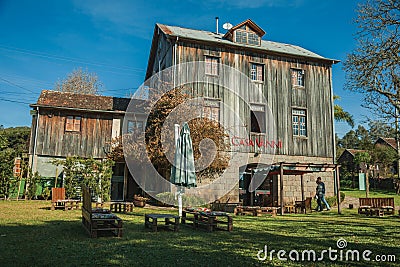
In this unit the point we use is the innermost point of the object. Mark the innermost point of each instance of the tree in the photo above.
(373, 67)
(342, 115)
(157, 125)
(80, 82)
(13, 142)
(92, 173)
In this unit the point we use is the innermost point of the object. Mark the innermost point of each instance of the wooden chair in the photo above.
(57, 197)
(303, 206)
(99, 219)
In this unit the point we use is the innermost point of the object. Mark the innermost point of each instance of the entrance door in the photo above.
(117, 182)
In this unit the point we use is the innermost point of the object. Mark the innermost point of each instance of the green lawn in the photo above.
(373, 193)
(33, 235)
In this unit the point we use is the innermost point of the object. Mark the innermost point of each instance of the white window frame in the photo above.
(299, 122)
(257, 72)
(298, 77)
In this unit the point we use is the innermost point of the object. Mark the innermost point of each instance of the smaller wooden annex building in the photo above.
(68, 124)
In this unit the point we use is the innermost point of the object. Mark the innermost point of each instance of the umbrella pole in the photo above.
(180, 200)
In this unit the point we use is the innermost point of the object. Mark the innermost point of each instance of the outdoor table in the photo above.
(151, 221)
(210, 220)
(121, 207)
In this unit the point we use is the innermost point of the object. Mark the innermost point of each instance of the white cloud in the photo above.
(240, 4)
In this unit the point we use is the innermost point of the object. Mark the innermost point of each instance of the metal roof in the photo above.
(270, 46)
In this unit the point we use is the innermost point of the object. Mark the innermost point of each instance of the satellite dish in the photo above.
(227, 26)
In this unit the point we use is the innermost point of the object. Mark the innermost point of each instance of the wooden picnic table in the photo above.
(152, 221)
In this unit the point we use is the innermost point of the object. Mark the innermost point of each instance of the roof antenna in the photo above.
(216, 22)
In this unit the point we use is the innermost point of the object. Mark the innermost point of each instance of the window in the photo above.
(73, 124)
(245, 35)
(212, 65)
(257, 72)
(211, 109)
(134, 125)
(299, 122)
(298, 77)
(257, 117)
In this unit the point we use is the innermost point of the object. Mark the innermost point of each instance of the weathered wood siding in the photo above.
(53, 140)
(276, 89)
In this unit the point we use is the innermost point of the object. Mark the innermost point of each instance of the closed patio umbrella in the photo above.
(183, 172)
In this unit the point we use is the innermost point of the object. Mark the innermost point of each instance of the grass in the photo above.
(33, 235)
(373, 193)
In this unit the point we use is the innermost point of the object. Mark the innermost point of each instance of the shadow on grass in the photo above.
(66, 243)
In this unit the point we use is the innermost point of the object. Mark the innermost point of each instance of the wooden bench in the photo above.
(151, 221)
(385, 204)
(255, 210)
(211, 221)
(99, 219)
(248, 210)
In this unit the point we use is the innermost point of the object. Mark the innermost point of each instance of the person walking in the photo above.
(320, 195)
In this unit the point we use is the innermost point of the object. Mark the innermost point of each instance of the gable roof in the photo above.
(266, 46)
(349, 152)
(248, 22)
(55, 99)
(388, 141)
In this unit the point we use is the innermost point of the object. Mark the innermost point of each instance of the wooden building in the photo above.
(68, 124)
(294, 82)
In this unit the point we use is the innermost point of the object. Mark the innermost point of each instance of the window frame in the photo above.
(244, 33)
(295, 78)
(134, 123)
(76, 127)
(299, 122)
(258, 111)
(212, 104)
(212, 67)
(255, 74)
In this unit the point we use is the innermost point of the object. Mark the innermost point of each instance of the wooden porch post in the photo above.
(281, 185)
(338, 188)
(302, 187)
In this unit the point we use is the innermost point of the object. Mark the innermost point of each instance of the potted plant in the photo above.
(139, 201)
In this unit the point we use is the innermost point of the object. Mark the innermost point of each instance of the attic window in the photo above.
(245, 35)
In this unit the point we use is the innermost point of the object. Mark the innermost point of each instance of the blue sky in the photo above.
(43, 41)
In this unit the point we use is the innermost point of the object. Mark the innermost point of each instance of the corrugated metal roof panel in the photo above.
(207, 36)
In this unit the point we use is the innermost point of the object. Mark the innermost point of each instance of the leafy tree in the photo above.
(89, 172)
(7, 182)
(342, 115)
(384, 157)
(380, 129)
(373, 67)
(32, 182)
(13, 142)
(80, 82)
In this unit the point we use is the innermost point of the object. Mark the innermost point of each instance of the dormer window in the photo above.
(245, 35)
(246, 32)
